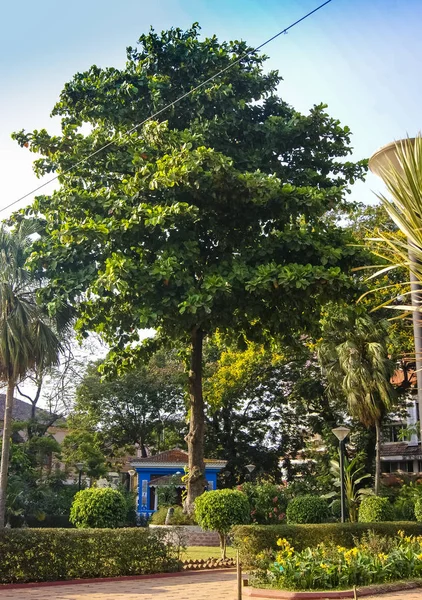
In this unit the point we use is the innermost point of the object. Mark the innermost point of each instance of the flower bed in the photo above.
(252, 540)
(374, 560)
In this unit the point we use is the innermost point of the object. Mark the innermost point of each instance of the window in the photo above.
(392, 467)
(391, 433)
(144, 492)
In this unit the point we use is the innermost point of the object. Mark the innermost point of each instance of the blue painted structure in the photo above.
(171, 462)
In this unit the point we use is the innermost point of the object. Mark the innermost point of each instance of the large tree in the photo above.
(214, 219)
(27, 340)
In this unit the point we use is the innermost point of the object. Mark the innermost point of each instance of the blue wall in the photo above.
(144, 491)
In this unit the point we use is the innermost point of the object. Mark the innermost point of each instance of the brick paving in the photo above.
(209, 586)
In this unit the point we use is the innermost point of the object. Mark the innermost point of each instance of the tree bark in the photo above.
(5, 450)
(195, 437)
(378, 457)
(223, 545)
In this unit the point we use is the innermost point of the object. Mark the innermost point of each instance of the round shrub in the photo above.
(98, 507)
(374, 509)
(220, 510)
(418, 510)
(307, 509)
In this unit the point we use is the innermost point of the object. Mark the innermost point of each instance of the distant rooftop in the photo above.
(404, 449)
(175, 456)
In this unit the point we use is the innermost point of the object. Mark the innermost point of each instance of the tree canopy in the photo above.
(216, 219)
(144, 407)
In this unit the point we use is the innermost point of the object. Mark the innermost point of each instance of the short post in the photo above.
(169, 516)
(239, 576)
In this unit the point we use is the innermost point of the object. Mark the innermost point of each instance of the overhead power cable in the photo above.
(159, 112)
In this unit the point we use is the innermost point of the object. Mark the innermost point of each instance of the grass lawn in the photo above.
(198, 552)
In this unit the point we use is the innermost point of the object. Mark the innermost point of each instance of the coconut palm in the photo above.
(354, 359)
(403, 179)
(27, 338)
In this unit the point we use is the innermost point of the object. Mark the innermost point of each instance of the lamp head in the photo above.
(341, 432)
(250, 468)
(79, 465)
(132, 472)
(386, 157)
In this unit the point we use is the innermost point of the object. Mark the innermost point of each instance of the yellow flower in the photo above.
(323, 566)
(419, 556)
(400, 533)
(383, 557)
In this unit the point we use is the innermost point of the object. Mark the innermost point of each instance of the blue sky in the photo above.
(361, 58)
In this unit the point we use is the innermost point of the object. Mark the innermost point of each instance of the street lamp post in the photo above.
(79, 466)
(341, 434)
(250, 469)
(383, 159)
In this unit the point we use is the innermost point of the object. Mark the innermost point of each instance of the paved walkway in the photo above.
(212, 586)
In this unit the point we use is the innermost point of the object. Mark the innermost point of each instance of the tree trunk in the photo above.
(378, 457)
(5, 450)
(223, 545)
(195, 437)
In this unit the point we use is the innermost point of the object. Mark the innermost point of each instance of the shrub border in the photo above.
(332, 594)
(36, 584)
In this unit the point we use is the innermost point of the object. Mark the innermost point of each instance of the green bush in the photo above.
(374, 509)
(252, 540)
(62, 554)
(336, 508)
(267, 501)
(418, 510)
(98, 507)
(178, 518)
(307, 509)
(220, 510)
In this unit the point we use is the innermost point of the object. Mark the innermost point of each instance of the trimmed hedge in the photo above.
(254, 539)
(61, 554)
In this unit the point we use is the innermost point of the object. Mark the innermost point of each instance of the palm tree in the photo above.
(27, 339)
(403, 179)
(400, 167)
(354, 359)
